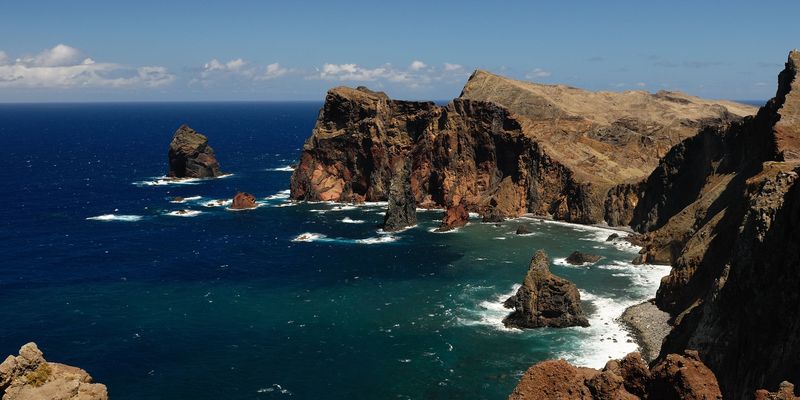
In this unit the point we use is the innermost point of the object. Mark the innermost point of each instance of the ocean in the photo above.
(302, 300)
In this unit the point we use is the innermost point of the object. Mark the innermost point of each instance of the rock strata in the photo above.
(678, 377)
(190, 156)
(580, 258)
(503, 148)
(29, 376)
(401, 212)
(544, 299)
(243, 201)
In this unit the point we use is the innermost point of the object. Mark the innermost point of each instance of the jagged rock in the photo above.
(243, 201)
(492, 150)
(554, 379)
(29, 376)
(523, 230)
(454, 217)
(544, 299)
(190, 156)
(580, 258)
(402, 209)
(785, 392)
(683, 377)
(723, 208)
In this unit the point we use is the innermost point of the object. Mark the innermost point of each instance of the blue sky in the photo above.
(264, 50)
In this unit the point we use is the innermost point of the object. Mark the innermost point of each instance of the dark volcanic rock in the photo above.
(402, 209)
(545, 299)
(190, 156)
(243, 201)
(523, 230)
(683, 377)
(454, 217)
(29, 376)
(612, 237)
(579, 258)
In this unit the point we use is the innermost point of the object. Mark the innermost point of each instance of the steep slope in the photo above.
(497, 162)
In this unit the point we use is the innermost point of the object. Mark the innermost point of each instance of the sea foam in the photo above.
(116, 217)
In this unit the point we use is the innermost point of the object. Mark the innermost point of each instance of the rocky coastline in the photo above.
(648, 325)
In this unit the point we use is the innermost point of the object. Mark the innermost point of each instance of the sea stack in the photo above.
(243, 201)
(545, 299)
(190, 156)
(454, 217)
(402, 210)
(29, 376)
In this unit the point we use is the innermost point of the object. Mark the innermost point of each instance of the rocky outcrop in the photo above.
(544, 299)
(785, 392)
(29, 376)
(401, 212)
(190, 156)
(523, 230)
(243, 201)
(454, 217)
(503, 148)
(580, 258)
(678, 377)
(723, 208)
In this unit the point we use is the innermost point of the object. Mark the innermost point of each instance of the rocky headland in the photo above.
(502, 148)
(190, 156)
(544, 299)
(29, 376)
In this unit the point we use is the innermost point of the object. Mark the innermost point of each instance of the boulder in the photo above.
(612, 237)
(454, 217)
(544, 299)
(190, 156)
(579, 258)
(523, 230)
(243, 201)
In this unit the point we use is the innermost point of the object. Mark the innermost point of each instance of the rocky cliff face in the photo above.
(545, 299)
(190, 156)
(503, 148)
(29, 376)
(724, 208)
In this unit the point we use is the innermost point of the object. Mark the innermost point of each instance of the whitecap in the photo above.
(285, 168)
(166, 180)
(116, 217)
(309, 237)
(434, 230)
(184, 213)
(283, 194)
(491, 312)
(377, 240)
(217, 203)
(347, 220)
(181, 200)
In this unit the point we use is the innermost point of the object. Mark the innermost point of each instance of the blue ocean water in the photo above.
(304, 300)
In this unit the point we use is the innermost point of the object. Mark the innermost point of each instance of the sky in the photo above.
(84, 51)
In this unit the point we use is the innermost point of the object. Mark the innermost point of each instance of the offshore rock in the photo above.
(544, 299)
(402, 209)
(190, 156)
(501, 148)
(29, 376)
(454, 217)
(243, 201)
(579, 258)
(523, 230)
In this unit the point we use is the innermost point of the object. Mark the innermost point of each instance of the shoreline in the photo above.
(649, 327)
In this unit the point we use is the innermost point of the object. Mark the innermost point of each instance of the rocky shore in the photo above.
(649, 326)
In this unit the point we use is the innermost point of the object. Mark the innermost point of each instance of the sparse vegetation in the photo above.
(40, 375)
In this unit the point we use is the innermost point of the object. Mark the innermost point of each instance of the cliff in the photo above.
(503, 148)
(29, 376)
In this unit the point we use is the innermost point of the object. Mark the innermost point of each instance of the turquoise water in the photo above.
(304, 300)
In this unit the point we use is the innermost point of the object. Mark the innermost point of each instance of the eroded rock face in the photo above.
(496, 162)
(678, 377)
(29, 376)
(724, 208)
(243, 201)
(454, 217)
(545, 299)
(190, 156)
(402, 209)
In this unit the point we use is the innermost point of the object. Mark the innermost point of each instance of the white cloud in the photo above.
(453, 67)
(64, 67)
(537, 73)
(240, 69)
(417, 65)
(273, 71)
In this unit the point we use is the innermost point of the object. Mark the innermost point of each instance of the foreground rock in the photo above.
(723, 208)
(678, 377)
(503, 148)
(243, 201)
(454, 217)
(580, 258)
(544, 299)
(401, 212)
(785, 392)
(190, 156)
(29, 376)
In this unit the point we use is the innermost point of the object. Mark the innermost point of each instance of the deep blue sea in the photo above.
(231, 305)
